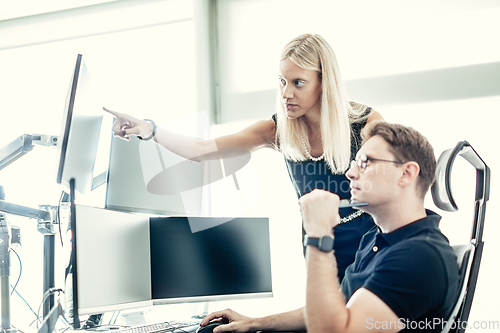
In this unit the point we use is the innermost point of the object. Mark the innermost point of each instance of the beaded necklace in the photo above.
(308, 155)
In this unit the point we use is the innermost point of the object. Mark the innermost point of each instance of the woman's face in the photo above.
(300, 89)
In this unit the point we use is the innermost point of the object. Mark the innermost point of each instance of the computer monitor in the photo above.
(129, 260)
(230, 260)
(147, 178)
(80, 130)
(112, 260)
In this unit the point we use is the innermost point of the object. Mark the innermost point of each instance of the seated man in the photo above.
(405, 275)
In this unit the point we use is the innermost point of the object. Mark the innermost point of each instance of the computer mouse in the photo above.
(210, 326)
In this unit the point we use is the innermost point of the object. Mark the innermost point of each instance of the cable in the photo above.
(111, 319)
(117, 315)
(35, 320)
(45, 295)
(20, 270)
(17, 282)
(65, 329)
(25, 302)
(21, 331)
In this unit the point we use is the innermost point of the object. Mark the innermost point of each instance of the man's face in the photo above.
(378, 183)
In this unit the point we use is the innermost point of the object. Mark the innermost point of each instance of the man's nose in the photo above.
(353, 172)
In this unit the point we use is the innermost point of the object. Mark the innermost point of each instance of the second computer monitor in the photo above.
(229, 260)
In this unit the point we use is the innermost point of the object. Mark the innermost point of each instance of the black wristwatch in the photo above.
(324, 243)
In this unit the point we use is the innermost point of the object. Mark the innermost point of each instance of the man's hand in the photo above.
(235, 322)
(320, 211)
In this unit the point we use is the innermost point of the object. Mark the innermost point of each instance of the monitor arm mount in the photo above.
(47, 223)
(22, 145)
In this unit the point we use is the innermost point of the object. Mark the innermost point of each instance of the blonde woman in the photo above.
(315, 127)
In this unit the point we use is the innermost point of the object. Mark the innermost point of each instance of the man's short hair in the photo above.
(407, 145)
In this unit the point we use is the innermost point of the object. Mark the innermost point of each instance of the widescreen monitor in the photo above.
(230, 260)
(129, 260)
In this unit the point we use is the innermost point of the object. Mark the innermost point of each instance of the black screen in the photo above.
(227, 259)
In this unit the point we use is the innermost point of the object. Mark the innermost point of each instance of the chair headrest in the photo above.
(441, 189)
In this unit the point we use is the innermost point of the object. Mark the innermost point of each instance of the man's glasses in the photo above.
(362, 162)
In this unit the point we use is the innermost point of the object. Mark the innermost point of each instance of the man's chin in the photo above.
(360, 201)
(356, 200)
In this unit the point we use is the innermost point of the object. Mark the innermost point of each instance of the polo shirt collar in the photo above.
(407, 231)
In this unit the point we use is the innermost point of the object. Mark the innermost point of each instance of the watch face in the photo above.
(326, 243)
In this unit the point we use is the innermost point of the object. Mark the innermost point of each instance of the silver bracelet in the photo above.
(150, 136)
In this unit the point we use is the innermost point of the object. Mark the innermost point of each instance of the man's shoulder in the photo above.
(428, 243)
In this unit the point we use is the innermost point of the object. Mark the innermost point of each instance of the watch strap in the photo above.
(324, 243)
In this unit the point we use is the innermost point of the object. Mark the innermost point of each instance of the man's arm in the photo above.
(286, 321)
(325, 309)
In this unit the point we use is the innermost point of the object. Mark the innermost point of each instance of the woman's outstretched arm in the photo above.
(258, 135)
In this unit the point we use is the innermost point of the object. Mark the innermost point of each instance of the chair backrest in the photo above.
(465, 254)
(468, 255)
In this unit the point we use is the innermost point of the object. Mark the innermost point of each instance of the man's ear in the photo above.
(410, 173)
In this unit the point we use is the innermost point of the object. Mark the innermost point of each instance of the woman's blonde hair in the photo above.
(312, 52)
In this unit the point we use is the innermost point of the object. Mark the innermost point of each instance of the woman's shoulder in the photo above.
(365, 116)
(374, 116)
(265, 128)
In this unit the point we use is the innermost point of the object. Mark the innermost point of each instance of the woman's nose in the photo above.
(286, 92)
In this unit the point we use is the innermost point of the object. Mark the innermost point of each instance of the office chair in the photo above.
(468, 255)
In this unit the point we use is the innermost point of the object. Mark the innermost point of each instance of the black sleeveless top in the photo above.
(309, 175)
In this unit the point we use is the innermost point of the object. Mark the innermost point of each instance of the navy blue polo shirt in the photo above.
(412, 269)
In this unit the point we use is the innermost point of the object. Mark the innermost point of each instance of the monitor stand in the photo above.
(204, 313)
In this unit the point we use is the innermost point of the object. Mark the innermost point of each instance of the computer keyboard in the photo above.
(170, 326)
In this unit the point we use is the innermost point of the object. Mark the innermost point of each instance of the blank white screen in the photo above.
(113, 261)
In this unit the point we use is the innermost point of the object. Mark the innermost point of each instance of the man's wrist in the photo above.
(324, 243)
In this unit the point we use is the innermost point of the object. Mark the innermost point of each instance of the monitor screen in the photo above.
(228, 260)
(113, 260)
(79, 136)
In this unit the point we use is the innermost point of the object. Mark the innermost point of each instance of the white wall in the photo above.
(371, 39)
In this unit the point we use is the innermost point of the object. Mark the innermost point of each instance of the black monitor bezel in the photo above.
(69, 116)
